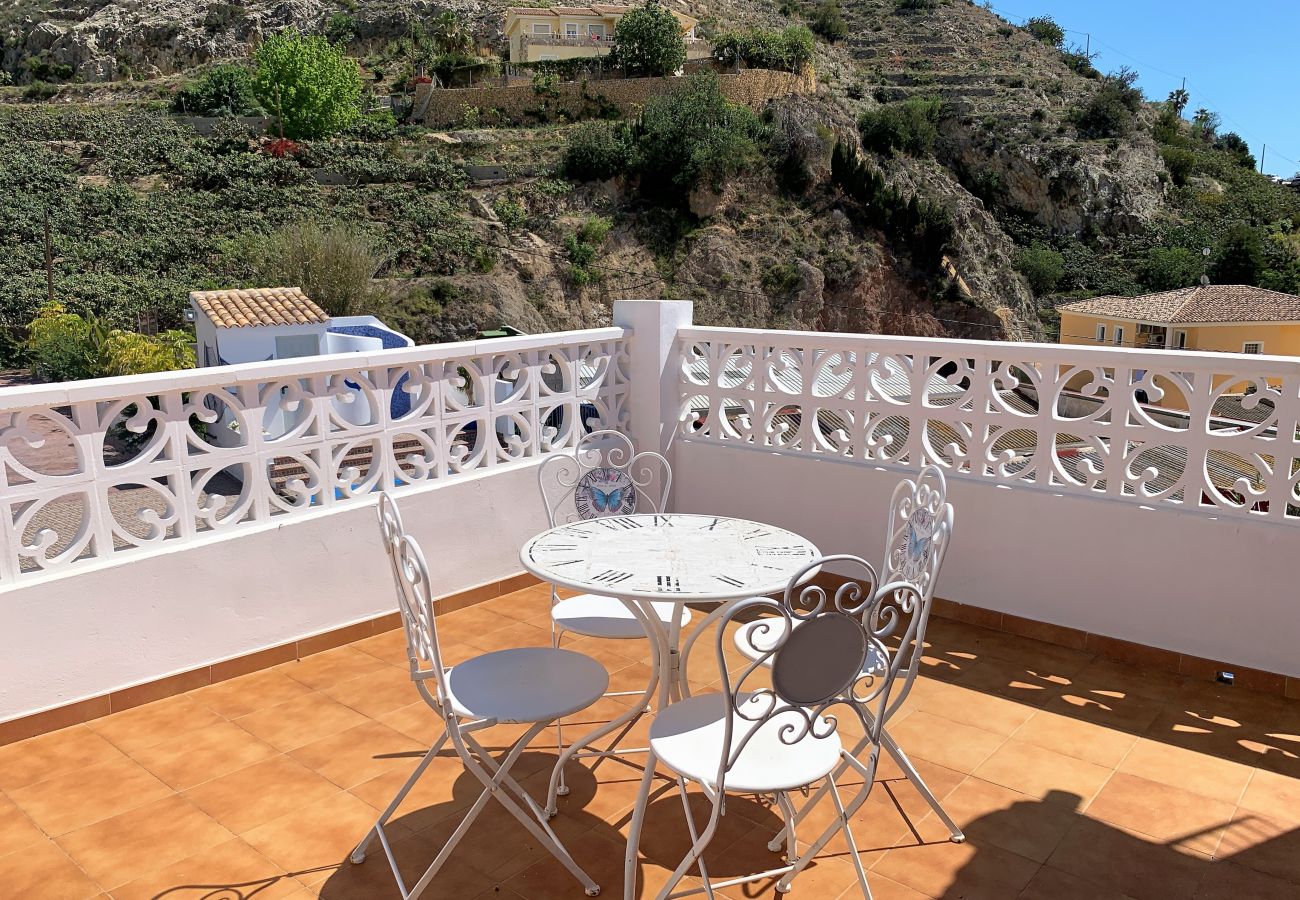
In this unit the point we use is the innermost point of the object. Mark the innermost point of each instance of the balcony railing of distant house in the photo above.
(99, 469)
(1213, 435)
(572, 40)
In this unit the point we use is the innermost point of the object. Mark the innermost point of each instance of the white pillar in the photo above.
(652, 392)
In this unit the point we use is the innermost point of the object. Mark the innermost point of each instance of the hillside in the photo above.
(1036, 174)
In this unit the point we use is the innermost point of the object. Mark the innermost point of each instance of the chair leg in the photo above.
(690, 827)
(844, 813)
(562, 787)
(919, 783)
(359, 854)
(634, 829)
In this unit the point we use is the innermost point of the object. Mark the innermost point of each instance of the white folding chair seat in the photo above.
(527, 684)
(690, 737)
(592, 615)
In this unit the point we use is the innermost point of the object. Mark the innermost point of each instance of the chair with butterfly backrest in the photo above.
(604, 477)
(531, 686)
(781, 739)
(916, 541)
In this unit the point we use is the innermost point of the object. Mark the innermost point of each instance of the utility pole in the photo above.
(1262, 153)
(1087, 47)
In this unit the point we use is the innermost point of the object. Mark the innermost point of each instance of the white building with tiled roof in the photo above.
(567, 32)
(1227, 318)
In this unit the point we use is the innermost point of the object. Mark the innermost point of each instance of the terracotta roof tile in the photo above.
(1203, 304)
(255, 307)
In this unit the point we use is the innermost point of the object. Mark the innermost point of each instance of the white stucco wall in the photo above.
(129, 621)
(1224, 589)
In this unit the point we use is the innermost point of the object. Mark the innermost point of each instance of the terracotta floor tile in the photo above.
(255, 795)
(231, 869)
(43, 870)
(1200, 773)
(415, 720)
(827, 878)
(883, 888)
(76, 799)
(1076, 738)
(1043, 773)
(1230, 881)
(547, 879)
(374, 879)
(203, 755)
(1000, 678)
(249, 693)
(16, 829)
(375, 693)
(950, 744)
(1053, 884)
(1263, 844)
(1169, 814)
(940, 780)
(117, 850)
(442, 791)
(970, 707)
(320, 670)
(1102, 705)
(154, 722)
(360, 754)
(311, 842)
(47, 755)
(1276, 796)
(1128, 863)
(990, 814)
(390, 646)
(1121, 678)
(958, 870)
(296, 723)
(519, 634)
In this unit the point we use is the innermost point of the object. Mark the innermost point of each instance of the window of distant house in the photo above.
(1119, 335)
(1101, 334)
(570, 29)
(597, 31)
(541, 28)
(1252, 347)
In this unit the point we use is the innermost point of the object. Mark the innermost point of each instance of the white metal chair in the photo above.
(605, 476)
(532, 685)
(751, 739)
(916, 541)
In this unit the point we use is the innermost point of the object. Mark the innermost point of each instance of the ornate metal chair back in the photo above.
(414, 597)
(605, 476)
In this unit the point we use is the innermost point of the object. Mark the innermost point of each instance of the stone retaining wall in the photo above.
(501, 105)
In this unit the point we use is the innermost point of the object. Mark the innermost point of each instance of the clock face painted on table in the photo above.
(669, 555)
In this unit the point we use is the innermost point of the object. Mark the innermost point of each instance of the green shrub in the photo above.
(1081, 62)
(910, 126)
(311, 87)
(1179, 163)
(828, 21)
(582, 246)
(1167, 268)
(64, 346)
(911, 6)
(648, 42)
(57, 345)
(596, 151)
(1042, 267)
(341, 28)
(225, 90)
(789, 49)
(332, 265)
(1240, 256)
(1110, 110)
(693, 136)
(1233, 143)
(509, 212)
(1045, 29)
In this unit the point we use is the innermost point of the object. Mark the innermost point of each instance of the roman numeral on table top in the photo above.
(668, 583)
(727, 579)
(618, 522)
(663, 521)
(612, 576)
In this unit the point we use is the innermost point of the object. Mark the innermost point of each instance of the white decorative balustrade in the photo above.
(1210, 433)
(99, 469)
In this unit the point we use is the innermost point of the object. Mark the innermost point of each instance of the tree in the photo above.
(311, 87)
(451, 35)
(1233, 143)
(1240, 257)
(332, 265)
(828, 21)
(225, 90)
(763, 48)
(1045, 29)
(1110, 111)
(1205, 124)
(648, 42)
(1042, 267)
(596, 151)
(1169, 268)
(1178, 101)
(693, 136)
(910, 126)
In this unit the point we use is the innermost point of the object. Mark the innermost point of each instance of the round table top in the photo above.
(668, 557)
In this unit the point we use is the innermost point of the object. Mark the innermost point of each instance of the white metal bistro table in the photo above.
(670, 558)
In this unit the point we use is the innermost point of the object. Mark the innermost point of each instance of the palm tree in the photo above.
(451, 34)
(1206, 123)
(1178, 100)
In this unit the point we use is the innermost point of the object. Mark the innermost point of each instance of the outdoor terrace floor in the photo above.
(1074, 777)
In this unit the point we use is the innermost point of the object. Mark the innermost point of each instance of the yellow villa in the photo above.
(566, 32)
(1228, 318)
